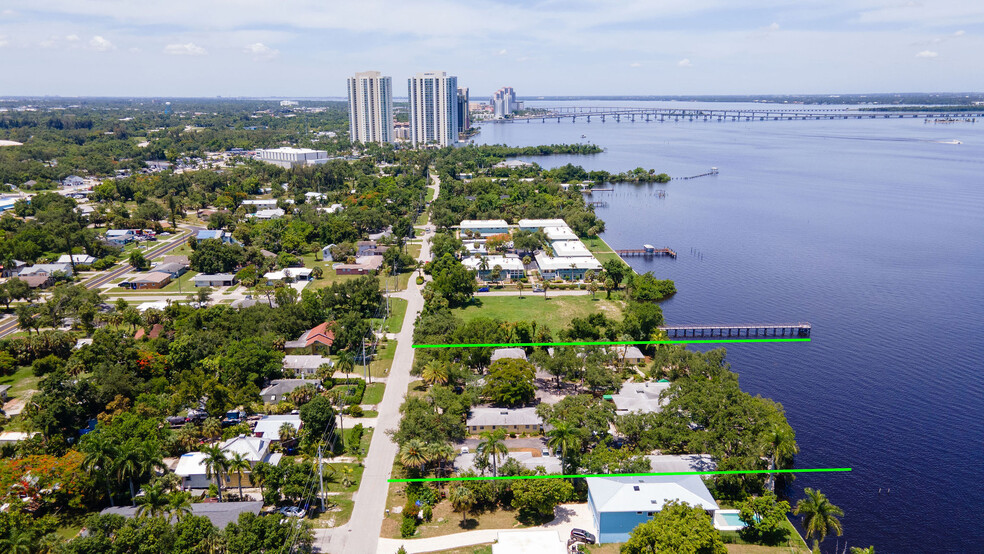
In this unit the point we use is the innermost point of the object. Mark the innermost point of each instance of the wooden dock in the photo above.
(597, 203)
(793, 330)
(647, 250)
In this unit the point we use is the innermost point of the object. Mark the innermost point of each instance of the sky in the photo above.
(306, 48)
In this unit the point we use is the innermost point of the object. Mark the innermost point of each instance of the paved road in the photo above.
(361, 533)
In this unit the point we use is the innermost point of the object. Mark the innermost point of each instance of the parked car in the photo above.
(545, 452)
(582, 535)
(537, 289)
(292, 511)
(483, 289)
(464, 450)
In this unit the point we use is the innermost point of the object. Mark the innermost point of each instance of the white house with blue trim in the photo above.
(619, 504)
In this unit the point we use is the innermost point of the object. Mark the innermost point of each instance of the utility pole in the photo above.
(321, 477)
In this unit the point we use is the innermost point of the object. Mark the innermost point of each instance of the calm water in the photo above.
(871, 230)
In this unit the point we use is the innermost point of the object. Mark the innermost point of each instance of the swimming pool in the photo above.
(728, 520)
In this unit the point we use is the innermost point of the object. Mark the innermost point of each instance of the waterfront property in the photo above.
(537, 224)
(569, 269)
(619, 504)
(511, 267)
(511, 420)
(640, 397)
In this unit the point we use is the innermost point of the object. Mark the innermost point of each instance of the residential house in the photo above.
(305, 364)
(120, 237)
(535, 225)
(217, 234)
(80, 259)
(181, 260)
(268, 427)
(512, 420)
(41, 281)
(272, 213)
(174, 270)
(152, 280)
(280, 389)
(640, 397)
(369, 248)
(320, 337)
(484, 227)
(629, 354)
(11, 269)
(261, 203)
(294, 273)
(155, 331)
(362, 266)
(214, 280)
(191, 466)
(619, 504)
(506, 353)
(73, 181)
(45, 269)
(221, 514)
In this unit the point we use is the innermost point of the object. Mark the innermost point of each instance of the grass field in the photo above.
(554, 312)
(600, 249)
(384, 359)
(21, 380)
(374, 393)
(398, 310)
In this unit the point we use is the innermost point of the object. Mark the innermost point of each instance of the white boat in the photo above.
(954, 141)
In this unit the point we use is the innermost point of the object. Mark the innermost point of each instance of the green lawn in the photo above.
(384, 359)
(398, 310)
(21, 380)
(430, 194)
(555, 312)
(600, 249)
(374, 393)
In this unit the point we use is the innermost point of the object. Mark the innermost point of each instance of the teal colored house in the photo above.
(619, 504)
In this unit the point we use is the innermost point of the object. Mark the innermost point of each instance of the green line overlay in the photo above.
(605, 343)
(515, 477)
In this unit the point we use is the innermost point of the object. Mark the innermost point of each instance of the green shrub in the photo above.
(408, 528)
(420, 280)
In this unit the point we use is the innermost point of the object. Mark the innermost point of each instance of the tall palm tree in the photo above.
(99, 454)
(779, 446)
(566, 437)
(520, 286)
(819, 515)
(345, 361)
(178, 505)
(215, 463)
(492, 445)
(260, 474)
(153, 503)
(413, 454)
(462, 499)
(18, 542)
(443, 454)
(238, 464)
(212, 428)
(436, 373)
(288, 434)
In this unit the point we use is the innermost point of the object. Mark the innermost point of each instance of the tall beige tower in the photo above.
(370, 107)
(433, 108)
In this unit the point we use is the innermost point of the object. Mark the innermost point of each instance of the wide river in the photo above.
(871, 230)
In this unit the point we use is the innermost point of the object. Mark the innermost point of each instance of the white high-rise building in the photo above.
(504, 102)
(370, 107)
(433, 108)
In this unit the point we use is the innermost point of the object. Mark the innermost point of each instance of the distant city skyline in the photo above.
(634, 47)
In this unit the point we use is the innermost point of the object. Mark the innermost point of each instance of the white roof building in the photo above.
(647, 494)
(559, 233)
(570, 249)
(261, 203)
(507, 263)
(269, 426)
(640, 397)
(484, 224)
(508, 353)
(271, 213)
(504, 417)
(549, 264)
(83, 259)
(295, 273)
(287, 157)
(534, 224)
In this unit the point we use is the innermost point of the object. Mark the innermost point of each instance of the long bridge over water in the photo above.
(696, 114)
(747, 330)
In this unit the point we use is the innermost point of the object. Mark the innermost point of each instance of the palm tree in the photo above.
(345, 362)
(492, 445)
(128, 466)
(462, 499)
(819, 515)
(483, 264)
(212, 428)
(238, 464)
(288, 434)
(215, 463)
(443, 453)
(496, 273)
(436, 373)
(178, 505)
(414, 453)
(18, 542)
(779, 445)
(566, 437)
(99, 453)
(260, 474)
(153, 503)
(520, 286)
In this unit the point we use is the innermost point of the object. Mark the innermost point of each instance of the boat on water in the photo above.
(954, 141)
(584, 136)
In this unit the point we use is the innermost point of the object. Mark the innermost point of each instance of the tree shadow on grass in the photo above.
(468, 524)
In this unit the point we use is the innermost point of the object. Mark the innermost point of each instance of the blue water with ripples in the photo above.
(873, 231)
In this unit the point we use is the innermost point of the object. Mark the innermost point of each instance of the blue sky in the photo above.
(546, 47)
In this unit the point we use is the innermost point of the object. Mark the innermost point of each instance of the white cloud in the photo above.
(8, 12)
(773, 27)
(3, 41)
(50, 43)
(503, 52)
(635, 64)
(927, 54)
(72, 38)
(261, 51)
(959, 33)
(99, 44)
(685, 62)
(186, 49)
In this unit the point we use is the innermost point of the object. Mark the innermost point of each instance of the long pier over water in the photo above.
(794, 330)
(764, 114)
